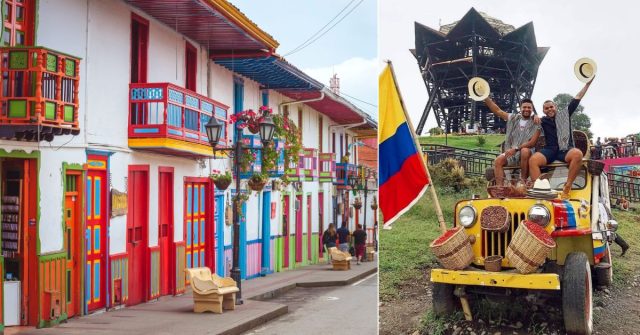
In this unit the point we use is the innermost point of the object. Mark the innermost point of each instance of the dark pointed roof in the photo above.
(494, 25)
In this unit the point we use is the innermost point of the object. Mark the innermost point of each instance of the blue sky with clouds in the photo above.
(348, 49)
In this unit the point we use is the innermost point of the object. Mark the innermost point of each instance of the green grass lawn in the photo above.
(465, 141)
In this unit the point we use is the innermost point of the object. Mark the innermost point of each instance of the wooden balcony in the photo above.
(343, 172)
(39, 93)
(306, 169)
(326, 167)
(168, 119)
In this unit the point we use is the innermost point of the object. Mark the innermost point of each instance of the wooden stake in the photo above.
(443, 226)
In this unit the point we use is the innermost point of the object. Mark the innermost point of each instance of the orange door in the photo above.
(95, 239)
(195, 218)
(72, 204)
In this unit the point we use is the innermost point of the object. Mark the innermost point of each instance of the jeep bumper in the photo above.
(511, 279)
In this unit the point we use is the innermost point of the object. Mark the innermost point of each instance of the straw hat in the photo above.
(585, 69)
(478, 89)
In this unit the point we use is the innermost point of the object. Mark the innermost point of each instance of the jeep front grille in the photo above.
(494, 243)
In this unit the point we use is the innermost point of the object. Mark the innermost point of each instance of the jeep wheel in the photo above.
(603, 272)
(577, 302)
(443, 300)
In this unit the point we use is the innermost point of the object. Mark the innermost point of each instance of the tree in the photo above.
(579, 120)
(436, 131)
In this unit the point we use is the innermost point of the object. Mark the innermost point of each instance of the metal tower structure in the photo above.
(475, 46)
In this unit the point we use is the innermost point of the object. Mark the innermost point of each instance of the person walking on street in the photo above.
(343, 237)
(360, 242)
(329, 238)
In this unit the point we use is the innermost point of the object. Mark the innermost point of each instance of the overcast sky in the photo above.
(348, 49)
(606, 31)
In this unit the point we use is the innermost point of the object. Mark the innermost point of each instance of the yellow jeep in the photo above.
(582, 252)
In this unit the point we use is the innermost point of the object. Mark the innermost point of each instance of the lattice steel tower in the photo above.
(477, 45)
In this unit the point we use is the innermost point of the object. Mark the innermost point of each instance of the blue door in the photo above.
(219, 215)
(266, 233)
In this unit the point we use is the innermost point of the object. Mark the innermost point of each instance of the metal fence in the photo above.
(624, 186)
(474, 162)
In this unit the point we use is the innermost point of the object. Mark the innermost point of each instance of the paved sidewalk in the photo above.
(174, 315)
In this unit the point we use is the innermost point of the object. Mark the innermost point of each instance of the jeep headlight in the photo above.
(467, 216)
(540, 215)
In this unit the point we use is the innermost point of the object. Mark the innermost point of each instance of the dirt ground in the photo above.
(616, 312)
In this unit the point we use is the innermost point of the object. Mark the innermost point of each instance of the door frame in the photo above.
(146, 268)
(286, 215)
(209, 223)
(172, 247)
(265, 267)
(80, 172)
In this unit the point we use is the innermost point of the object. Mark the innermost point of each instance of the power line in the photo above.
(311, 39)
(354, 98)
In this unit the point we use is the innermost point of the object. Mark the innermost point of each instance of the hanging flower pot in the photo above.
(222, 181)
(357, 204)
(257, 182)
(254, 128)
(374, 206)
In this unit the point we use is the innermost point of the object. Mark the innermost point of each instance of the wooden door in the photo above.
(285, 230)
(73, 240)
(137, 239)
(95, 238)
(219, 235)
(309, 230)
(198, 222)
(298, 213)
(320, 222)
(165, 230)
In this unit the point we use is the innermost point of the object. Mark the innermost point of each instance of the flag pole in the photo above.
(443, 226)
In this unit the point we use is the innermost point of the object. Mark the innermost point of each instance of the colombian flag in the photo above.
(403, 174)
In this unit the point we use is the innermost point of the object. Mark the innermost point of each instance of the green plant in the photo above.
(481, 140)
(269, 157)
(449, 172)
(287, 130)
(219, 177)
(247, 156)
(436, 131)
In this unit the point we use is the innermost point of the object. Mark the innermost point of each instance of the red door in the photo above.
(137, 241)
(198, 223)
(309, 227)
(95, 235)
(285, 229)
(72, 210)
(298, 210)
(165, 230)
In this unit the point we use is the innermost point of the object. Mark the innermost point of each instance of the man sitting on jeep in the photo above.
(558, 140)
(523, 131)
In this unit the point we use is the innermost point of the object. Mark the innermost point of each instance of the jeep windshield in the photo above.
(558, 177)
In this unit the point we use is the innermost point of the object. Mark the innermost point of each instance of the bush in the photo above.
(436, 131)
(449, 173)
(481, 140)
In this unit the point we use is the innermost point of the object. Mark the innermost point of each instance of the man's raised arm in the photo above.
(495, 109)
(582, 92)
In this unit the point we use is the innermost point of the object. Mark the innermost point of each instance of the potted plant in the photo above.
(257, 181)
(222, 181)
(374, 204)
(357, 204)
(239, 199)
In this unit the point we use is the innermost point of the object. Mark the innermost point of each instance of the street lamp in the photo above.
(214, 131)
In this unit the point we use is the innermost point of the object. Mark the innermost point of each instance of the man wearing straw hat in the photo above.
(522, 134)
(558, 140)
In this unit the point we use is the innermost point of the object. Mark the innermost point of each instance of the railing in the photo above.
(624, 186)
(310, 164)
(609, 151)
(327, 167)
(169, 111)
(294, 171)
(279, 168)
(343, 172)
(39, 87)
(474, 162)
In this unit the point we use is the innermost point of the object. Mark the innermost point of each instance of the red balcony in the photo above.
(327, 167)
(169, 119)
(39, 94)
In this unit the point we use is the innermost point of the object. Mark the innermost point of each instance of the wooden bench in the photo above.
(211, 292)
(340, 260)
(369, 254)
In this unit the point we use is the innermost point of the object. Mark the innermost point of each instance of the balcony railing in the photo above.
(39, 93)
(168, 118)
(343, 172)
(279, 169)
(249, 143)
(306, 169)
(327, 167)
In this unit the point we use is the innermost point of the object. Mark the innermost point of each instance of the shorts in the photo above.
(360, 248)
(554, 154)
(515, 159)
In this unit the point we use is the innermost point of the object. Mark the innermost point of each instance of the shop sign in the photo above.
(118, 203)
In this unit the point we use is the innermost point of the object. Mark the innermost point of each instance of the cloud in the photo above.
(358, 78)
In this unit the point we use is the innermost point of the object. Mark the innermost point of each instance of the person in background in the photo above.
(360, 242)
(343, 237)
(329, 238)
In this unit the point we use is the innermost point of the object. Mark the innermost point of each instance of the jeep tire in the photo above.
(577, 299)
(442, 298)
(603, 272)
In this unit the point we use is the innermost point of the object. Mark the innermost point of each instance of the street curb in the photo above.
(246, 326)
(337, 282)
(274, 293)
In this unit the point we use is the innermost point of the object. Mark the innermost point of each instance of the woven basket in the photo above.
(595, 167)
(494, 218)
(454, 253)
(527, 252)
(493, 263)
(498, 191)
